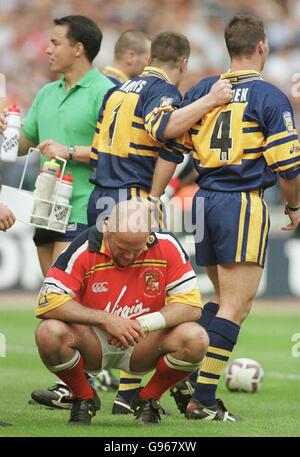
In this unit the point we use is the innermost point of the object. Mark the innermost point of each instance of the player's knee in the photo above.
(50, 333)
(194, 342)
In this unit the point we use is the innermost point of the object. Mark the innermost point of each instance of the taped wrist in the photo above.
(152, 322)
(153, 200)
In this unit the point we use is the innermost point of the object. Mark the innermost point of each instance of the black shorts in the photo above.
(43, 236)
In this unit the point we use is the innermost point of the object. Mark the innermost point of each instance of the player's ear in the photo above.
(183, 65)
(261, 47)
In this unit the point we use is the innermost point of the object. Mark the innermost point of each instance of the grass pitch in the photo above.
(274, 411)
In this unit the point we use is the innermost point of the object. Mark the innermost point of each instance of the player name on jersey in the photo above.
(133, 86)
(240, 95)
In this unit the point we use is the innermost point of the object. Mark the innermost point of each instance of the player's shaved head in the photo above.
(127, 231)
(130, 216)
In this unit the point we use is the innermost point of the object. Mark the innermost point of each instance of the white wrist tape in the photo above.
(152, 322)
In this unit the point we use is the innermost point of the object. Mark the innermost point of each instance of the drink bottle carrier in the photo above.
(23, 203)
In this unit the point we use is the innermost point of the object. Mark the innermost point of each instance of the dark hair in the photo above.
(84, 30)
(170, 48)
(131, 40)
(242, 34)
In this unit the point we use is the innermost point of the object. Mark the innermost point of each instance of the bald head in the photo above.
(127, 231)
(130, 216)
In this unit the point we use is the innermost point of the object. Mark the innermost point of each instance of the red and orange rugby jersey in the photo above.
(84, 272)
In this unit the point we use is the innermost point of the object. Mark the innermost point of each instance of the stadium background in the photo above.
(268, 333)
(24, 34)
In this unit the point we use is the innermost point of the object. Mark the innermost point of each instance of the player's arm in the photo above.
(169, 316)
(125, 331)
(183, 299)
(282, 151)
(183, 119)
(163, 172)
(169, 156)
(291, 191)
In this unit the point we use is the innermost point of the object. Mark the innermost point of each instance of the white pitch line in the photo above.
(270, 374)
(21, 349)
(278, 375)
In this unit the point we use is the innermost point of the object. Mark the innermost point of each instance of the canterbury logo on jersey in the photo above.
(125, 310)
(100, 287)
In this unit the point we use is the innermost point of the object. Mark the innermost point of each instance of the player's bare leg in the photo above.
(212, 273)
(45, 255)
(238, 285)
(67, 350)
(58, 247)
(59, 395)
(48, 253)
(175, 353)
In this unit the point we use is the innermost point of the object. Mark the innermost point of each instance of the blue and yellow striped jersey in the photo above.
(115, 75)
(243, 145)
(130, 130)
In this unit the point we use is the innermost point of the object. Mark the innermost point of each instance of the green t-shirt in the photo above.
(69, 118)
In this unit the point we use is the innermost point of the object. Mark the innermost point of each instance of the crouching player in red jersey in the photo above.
(121, 298)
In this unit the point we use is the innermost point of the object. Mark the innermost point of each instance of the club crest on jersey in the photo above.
(152, 284)
(43, 301)
(288, 121)
(165, 101)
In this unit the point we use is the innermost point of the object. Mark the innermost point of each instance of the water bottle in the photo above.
(11, 135)
(43, 193)
(64, 190)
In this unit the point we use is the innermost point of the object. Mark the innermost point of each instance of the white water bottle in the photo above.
(64, 190)
(43, 193)
(11, 135)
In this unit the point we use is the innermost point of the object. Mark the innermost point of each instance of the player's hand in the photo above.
(294, 218)
(3, 120)
(156, 207)
(51, 149)
(7, 218)
(122, 332)
(221, 92)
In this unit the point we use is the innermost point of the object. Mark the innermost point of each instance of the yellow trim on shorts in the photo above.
(238, 255)
(265, 234)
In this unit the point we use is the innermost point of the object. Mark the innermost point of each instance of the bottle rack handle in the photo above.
(30, 150)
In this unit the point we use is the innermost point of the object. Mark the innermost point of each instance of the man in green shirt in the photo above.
(61, 121)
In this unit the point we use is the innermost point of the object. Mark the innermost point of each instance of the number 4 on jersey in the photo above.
(220, 138)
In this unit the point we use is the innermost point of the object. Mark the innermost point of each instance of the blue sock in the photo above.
(223, 336)
(129, 386)
(209, 311)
